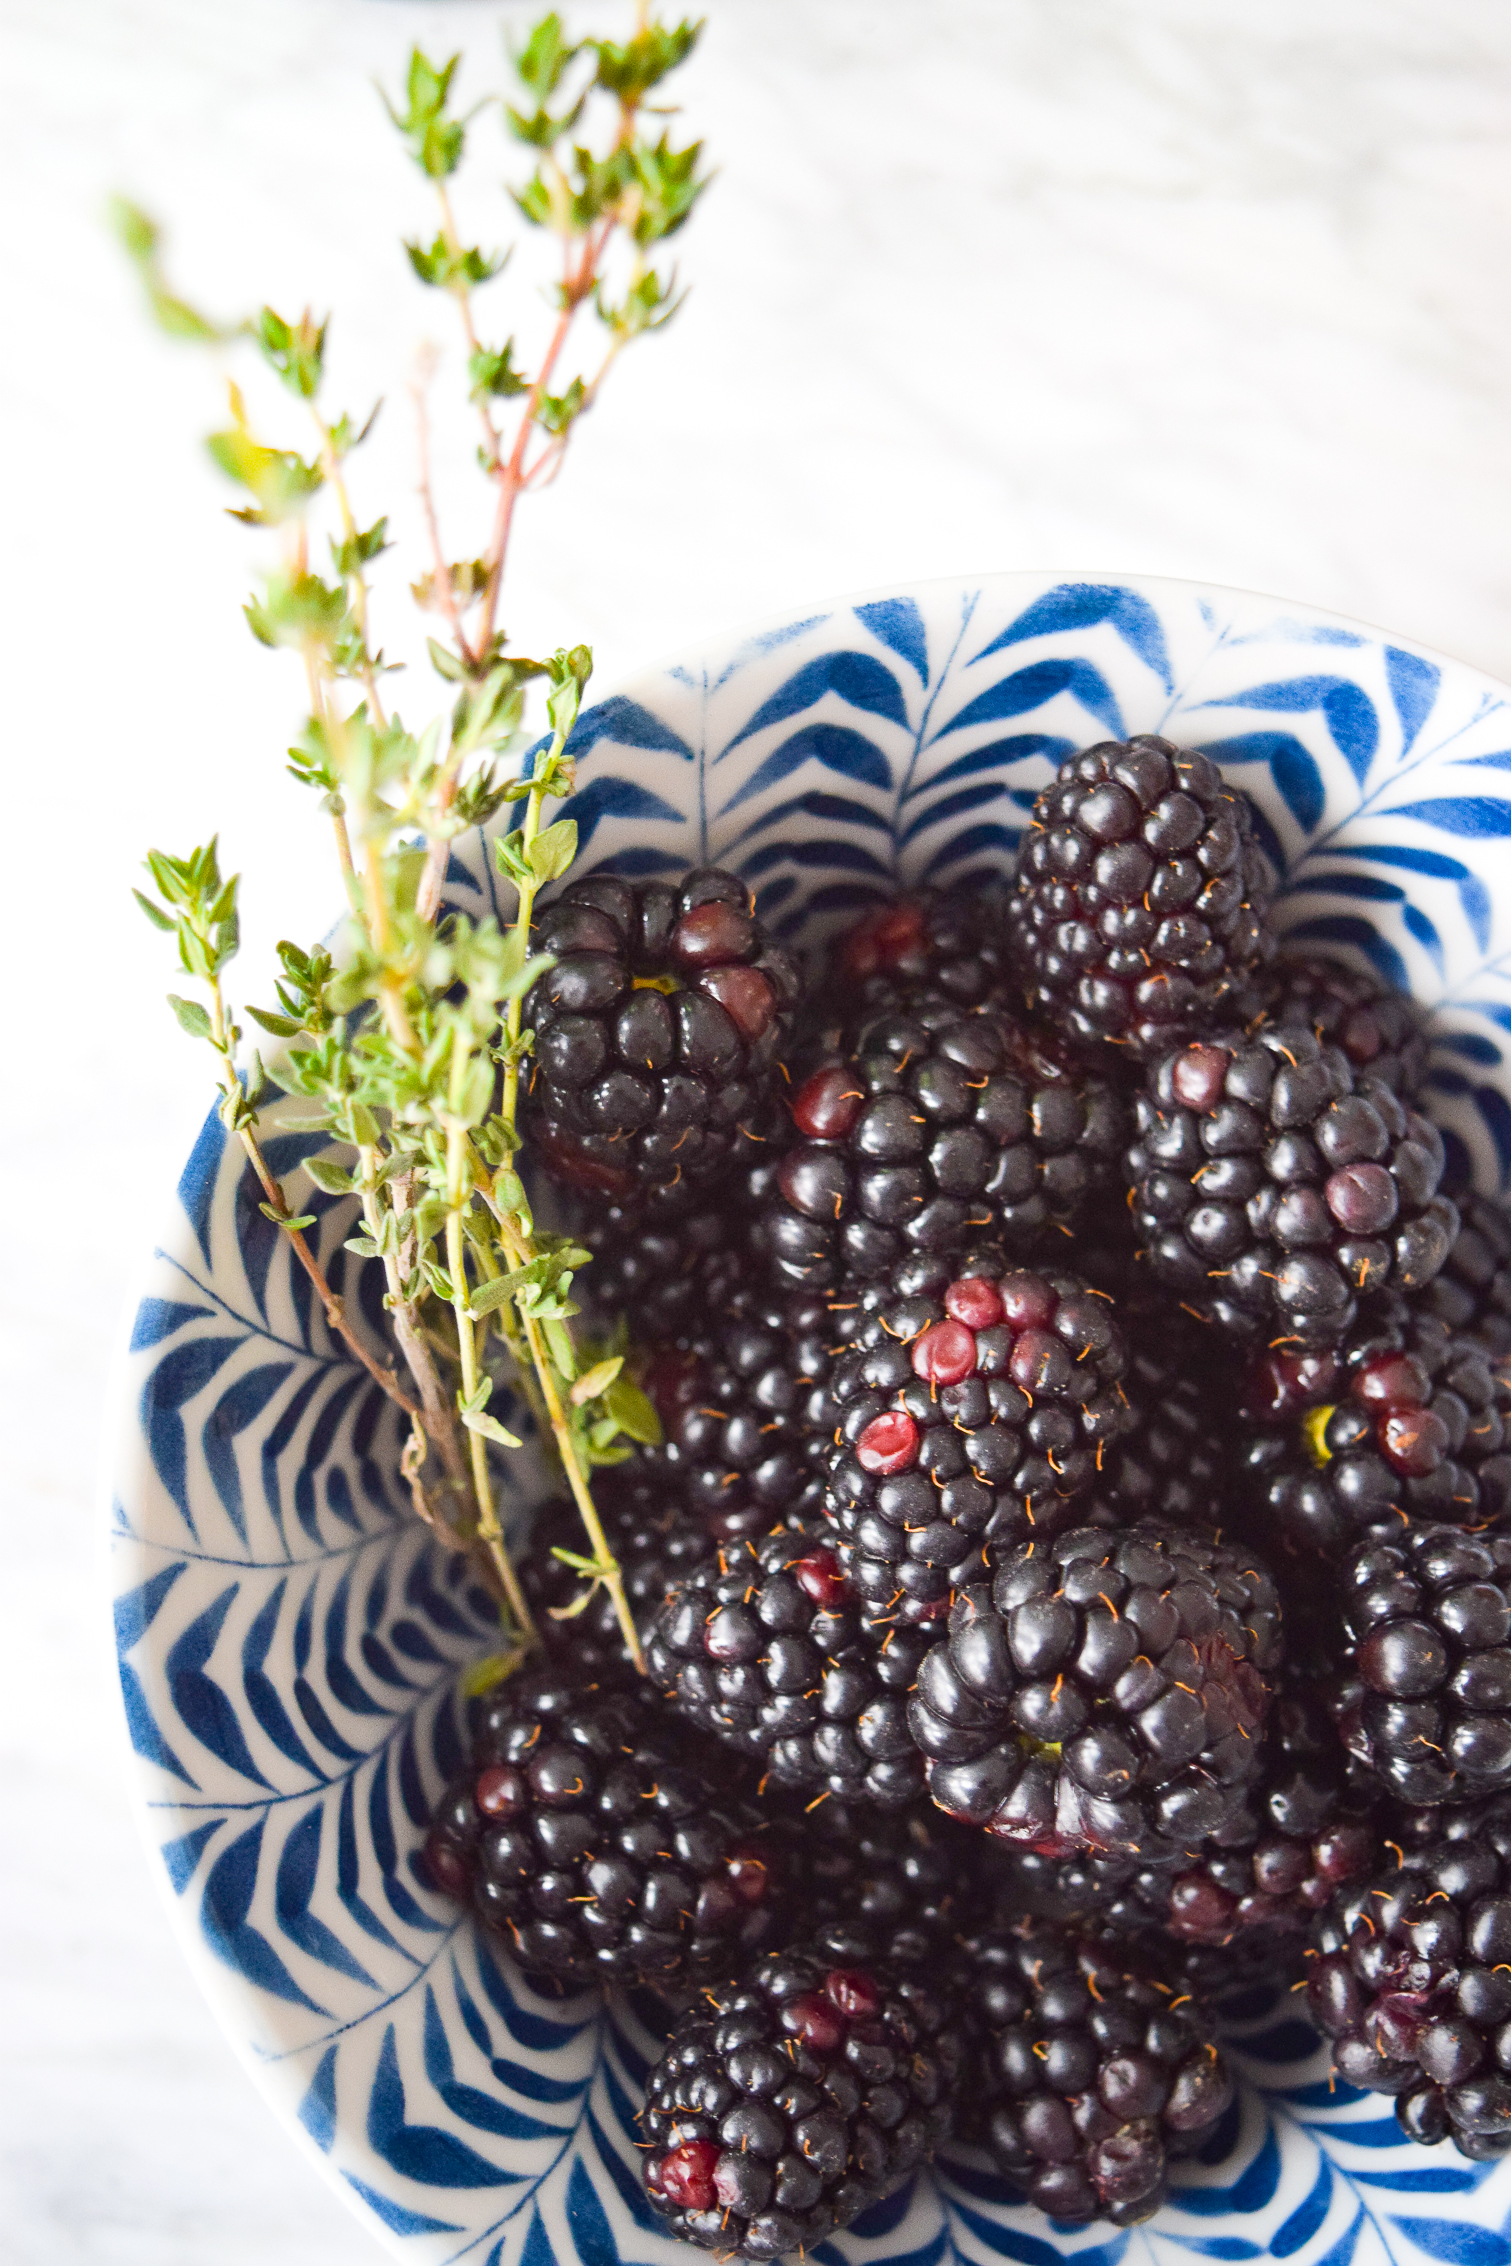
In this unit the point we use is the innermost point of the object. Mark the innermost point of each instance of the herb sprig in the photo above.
(406, 1034)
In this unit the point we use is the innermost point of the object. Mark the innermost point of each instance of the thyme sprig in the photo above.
(406, 1033)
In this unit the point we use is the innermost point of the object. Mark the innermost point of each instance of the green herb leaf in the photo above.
(553, 850)
(192, 1017)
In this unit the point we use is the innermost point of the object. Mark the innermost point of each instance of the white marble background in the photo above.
(1200, 287)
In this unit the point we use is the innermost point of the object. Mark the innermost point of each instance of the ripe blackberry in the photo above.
(766, 1649)
(972, 1410)
(1138, 912)
(1429, 1619)
(664, 1274)
(943, 1124)
(1380, 1031)
(1473, 1292)
(905, 1876)
(792, 2097)
(1305, 1829)
(1272, 1192)
(1170, 1463)
(1403, 1422)
(954, 946)
(591, 1834)
(1102, 1691)
(744, 1410)
(1413, 1981)
(1087, 2070)
(657, 1540)
(656, 1030)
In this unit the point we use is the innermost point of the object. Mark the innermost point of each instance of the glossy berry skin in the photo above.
(972, 1410)
(903, 1875)
(1104, 1691)
(656, 1031)
(596, 1840)
(1306, 1828)
(1381, 1032)
(1088, 2070)
(1405, 1422)
(1273, 1194)
(1428, 1618)
(744, 1409)
(810, 2086)
(1413, 1982)
(1472, 1295)
(658, 1542)
(765, 1648)
(942, 1125)
(1170, 1463)
(666, 1273)
(1138, 912)
(950, 945)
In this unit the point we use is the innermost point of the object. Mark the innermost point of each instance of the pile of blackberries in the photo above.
(1075, 1574)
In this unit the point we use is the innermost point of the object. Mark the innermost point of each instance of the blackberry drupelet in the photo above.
(1087, 2070)
(594, 1837)
(791, 2097)
(1413, 1981)
(1272, 1193)
(745, 1411)
(1428, 1617)
(1380, 1031)
(1403, 1422)
(972, 1410)
(1138, 913)
(1307, 1827)
(1170, 1463)
(765, 1648)
(657, 1540)
(1104, 1691)
(662, 1275)
(944, 1124)
(656, 1031)
(905, 1877)
(950, 945)
(1473, 1292)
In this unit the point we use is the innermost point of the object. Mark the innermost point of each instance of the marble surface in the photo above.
(1184, 286)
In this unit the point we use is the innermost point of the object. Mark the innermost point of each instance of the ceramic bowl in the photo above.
(290, 1638)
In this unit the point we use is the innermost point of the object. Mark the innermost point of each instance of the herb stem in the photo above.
(606, 1567)
(458, 1196)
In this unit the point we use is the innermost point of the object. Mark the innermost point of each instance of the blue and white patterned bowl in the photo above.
(289, 1638)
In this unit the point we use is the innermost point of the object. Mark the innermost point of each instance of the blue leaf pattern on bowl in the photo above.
(289, 1638)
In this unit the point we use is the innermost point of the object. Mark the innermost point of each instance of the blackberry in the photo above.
(744, 1410)
(904, 1877)
(1473, 1292)
(1403, 1422)
(656, 1031)
(1428, 1616)
(1087, 2070)
(943, 1124)
(1305, 1829)
(1273, 1193)
(664, 1274)
(1380, 1031)
(592, 1835)
(1170, 1463)
(1138, 912)
(657, 1542)
(955, 946)
(766, 1649)
(1102, 1691)
(792, 2097)
(1413, 1981)
(972, 1410)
